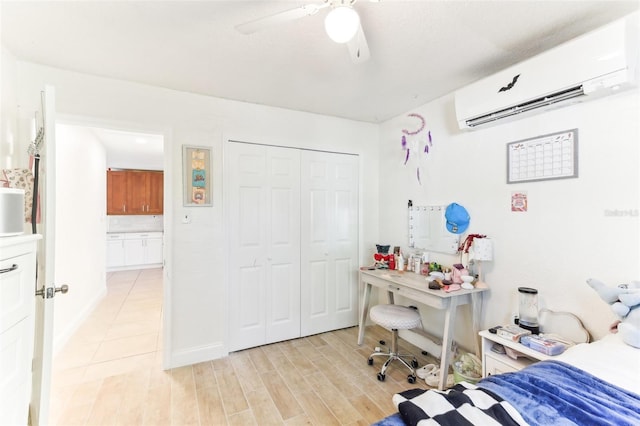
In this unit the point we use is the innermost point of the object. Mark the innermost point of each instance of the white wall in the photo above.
(80, 227)
(10, 156)
(196, 267)
(564, 238)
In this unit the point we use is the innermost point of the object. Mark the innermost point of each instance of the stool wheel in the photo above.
(370, 361)
(414, 363)
(411, 379)
(381, 377)
(382, 342)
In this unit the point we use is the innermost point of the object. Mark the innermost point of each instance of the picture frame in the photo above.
(197, 180)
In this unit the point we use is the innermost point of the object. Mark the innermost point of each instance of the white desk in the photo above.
(416, 287)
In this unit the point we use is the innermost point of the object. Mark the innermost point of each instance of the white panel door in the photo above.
(264, 267)
(283, 244)
(329, 240)
(46, 276)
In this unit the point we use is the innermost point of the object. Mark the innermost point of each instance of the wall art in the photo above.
(197, 179)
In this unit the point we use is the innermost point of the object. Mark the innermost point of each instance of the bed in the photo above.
(589, 384)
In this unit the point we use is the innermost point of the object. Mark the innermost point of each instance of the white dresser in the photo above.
(17, 303)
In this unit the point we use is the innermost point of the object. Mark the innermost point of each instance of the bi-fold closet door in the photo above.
(329, 258)
(264, 252)
(293, 218)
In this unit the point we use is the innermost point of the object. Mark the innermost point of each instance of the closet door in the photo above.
(329, 238)
(264, 269)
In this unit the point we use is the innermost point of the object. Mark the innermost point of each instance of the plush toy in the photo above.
(625, 303)
(383, 260)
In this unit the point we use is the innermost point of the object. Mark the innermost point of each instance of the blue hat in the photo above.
(457, 218)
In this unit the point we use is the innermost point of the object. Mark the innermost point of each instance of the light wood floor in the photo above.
(110, 372)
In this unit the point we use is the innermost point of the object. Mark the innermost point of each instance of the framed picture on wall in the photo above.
(197, 180)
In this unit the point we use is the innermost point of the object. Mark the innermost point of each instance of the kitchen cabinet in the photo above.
(134, 192)
(155, 199)
(134, 250)
(116, 192)
(115, 250)
(153, 250)
(17, 325)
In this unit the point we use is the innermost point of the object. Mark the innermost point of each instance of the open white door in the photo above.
(43, 347)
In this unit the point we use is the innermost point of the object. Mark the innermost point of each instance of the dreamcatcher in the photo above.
(416, 144)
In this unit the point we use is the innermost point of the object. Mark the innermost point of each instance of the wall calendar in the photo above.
(552, 156)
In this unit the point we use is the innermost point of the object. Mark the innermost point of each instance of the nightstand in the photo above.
(495, 363)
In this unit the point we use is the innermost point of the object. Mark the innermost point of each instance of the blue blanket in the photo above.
(555, 393)
(546, 393)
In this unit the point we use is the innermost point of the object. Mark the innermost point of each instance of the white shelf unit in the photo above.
(495, 363)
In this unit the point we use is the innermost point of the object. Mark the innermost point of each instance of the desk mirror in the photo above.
(428, 231)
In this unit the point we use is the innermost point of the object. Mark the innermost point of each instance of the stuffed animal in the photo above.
(384, 259)
(625, 303)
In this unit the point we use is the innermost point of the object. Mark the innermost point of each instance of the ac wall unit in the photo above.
(593, 65)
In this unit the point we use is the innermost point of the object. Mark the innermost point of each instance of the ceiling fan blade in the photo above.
(278, 18)
(358, 47)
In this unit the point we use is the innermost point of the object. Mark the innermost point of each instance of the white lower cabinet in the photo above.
(153, 250)
(115, 250)
(135, 250)
(17, 301)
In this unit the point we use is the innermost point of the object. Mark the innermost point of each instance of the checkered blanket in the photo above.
(463, 404)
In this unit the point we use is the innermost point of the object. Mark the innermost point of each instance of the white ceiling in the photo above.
(129, 150)
(420, 50)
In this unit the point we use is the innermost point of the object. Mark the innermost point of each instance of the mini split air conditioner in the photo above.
(593, 65)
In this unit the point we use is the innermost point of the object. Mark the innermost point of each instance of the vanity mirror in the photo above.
(428, 232)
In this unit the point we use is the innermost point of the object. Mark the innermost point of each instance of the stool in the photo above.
(395, 317)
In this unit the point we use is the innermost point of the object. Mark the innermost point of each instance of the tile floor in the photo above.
(110, 372)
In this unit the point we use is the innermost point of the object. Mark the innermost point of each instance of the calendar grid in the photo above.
(552, 156)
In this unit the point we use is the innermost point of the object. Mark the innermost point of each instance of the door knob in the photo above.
(51, 291)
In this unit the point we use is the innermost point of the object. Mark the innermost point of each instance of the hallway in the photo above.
(116, 351)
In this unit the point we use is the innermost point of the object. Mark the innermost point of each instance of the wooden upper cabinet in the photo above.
(116, 192)
(135, 192)
(155, 201)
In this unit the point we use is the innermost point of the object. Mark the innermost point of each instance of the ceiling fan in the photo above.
(342, 24)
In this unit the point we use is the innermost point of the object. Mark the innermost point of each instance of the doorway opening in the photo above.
(110, 322)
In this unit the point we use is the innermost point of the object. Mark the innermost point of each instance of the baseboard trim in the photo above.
(197, 354)
(133, 267)
(62, 338)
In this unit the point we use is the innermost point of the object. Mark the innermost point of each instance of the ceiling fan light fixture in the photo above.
(342, 23)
